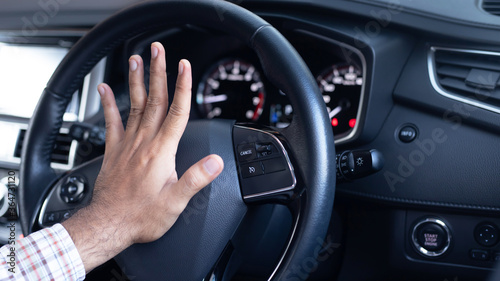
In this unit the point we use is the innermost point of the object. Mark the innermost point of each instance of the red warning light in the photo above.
(335, 122)
(352, 123)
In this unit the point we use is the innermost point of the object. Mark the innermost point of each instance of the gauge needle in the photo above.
(214, 99)
(335, 111)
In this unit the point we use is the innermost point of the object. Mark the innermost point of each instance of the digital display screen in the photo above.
(24, 73)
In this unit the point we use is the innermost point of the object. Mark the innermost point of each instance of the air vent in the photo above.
(469, 76)
(492, 7)
(61, 151)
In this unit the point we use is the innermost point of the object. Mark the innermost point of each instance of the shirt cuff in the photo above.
(75, 263)
(48, 254)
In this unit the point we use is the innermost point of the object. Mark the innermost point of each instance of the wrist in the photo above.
(95, 236)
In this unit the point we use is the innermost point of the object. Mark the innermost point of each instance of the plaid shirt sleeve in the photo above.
(48, 254)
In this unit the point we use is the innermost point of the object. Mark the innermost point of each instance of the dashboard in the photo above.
(414, 83)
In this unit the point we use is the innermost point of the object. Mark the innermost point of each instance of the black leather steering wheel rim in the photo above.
(309, 135)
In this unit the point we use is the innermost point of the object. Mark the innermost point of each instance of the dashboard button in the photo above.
(246, 152)
(480, 255)
(431, 237)
(407, 133)
(486, 234)
(251, 170)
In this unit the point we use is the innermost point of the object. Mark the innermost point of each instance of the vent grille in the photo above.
(492, 7)
(472, 75)
(61, 151)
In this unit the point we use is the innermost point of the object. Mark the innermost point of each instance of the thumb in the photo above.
(197, 177)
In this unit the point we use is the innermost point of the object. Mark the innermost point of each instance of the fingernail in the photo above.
(181, 67)
(154, 51)
(211, 166)
(101, 90)
(132, 64)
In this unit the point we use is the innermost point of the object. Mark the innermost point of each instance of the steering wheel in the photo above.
(297, 168)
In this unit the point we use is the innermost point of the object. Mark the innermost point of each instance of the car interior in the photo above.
(361, 138)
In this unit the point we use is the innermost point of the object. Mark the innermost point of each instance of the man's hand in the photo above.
(137, 195)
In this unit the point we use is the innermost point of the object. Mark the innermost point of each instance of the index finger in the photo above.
(114, 125)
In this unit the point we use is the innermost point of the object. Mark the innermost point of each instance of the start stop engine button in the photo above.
(431, 237)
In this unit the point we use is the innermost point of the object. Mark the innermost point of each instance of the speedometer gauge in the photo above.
(341, 86)
(231, 89)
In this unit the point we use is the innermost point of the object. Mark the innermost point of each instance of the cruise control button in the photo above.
(251, 170)
(246, 152)
(264, 149)
(273, 165)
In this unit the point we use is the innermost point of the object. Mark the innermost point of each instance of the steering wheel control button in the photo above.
(486, 234)
(431, 237)
(273, 165)
(272, 175)
(70, 188)
(73, 190)
(51, 218)
(251, 170)
(407, 133)
(246, 152)
(66, 214)
(479, 255)
(264, 149)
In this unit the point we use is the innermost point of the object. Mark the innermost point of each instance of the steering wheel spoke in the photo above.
(265, 168)
(70, 193)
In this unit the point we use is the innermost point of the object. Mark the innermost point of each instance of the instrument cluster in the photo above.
(232, 85)
(229, 82)
(235, 88)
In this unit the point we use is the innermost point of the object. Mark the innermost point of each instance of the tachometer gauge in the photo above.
(231, 89)
(341, 88)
